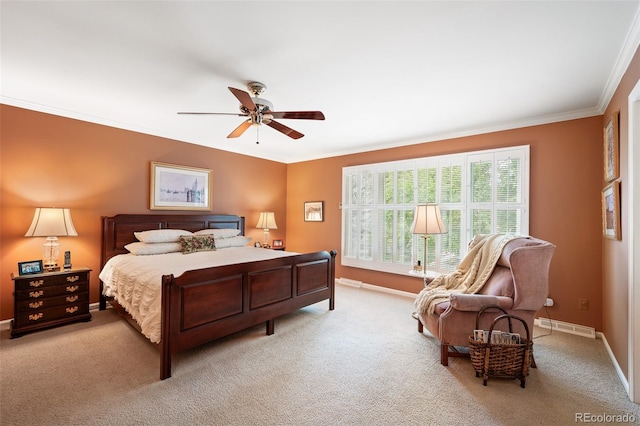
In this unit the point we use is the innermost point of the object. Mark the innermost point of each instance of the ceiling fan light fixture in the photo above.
(263, 104)
(260, 111)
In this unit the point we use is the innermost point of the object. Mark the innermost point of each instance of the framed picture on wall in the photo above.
(612, 148)
(611, 210)
(180, 187)
(314, 211)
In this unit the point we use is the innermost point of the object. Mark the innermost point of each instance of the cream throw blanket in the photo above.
(471, 275)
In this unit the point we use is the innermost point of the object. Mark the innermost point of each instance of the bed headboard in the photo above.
(117, 231)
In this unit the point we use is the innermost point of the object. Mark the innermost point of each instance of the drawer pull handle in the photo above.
(72, 298)
(36, 317)
(36, 294)
(72, 310)
(72, 288)
(73, 279)
(36, 283)
(36, 305)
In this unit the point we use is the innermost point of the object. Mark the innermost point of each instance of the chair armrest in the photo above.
(475, 302)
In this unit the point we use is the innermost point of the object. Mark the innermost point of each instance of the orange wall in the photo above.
(97, 170)
(565, 190)
(50, 161)
(615, 254)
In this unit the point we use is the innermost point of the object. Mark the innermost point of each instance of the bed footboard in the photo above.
(206, 304)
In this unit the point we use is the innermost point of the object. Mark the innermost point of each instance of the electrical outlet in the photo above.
(583, 304)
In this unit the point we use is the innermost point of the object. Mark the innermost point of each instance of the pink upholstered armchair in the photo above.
(519, 284)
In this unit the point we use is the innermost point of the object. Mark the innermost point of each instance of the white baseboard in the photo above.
(566, 327)
(614, 361)
(354, 283)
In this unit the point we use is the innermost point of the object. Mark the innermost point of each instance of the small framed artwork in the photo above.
(612, 148)
(314, 211)
(278, 243)
(30, 267)
(180, 187)
(611, 211)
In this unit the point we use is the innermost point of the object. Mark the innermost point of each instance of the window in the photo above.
(478, 192)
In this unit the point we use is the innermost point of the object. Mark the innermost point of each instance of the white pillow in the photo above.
(218, 233)
(239, 241)
(161, 235)
(141, 249)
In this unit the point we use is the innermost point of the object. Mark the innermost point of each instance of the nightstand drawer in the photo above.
(39, 282)
(44, 303)
(52, 291)
(38, 316)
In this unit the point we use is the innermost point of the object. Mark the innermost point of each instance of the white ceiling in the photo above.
(384, 73)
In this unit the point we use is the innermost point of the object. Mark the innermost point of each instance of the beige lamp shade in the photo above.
(266, 221)
(427, 220)
(51, 222)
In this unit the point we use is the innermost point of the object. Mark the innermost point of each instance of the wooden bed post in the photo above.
(165, 332)
(332, 277)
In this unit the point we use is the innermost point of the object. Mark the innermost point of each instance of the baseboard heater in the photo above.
(566, 327)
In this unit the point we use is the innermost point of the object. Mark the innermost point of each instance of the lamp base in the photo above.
(51, 267)
(50, 254)
(266, 239)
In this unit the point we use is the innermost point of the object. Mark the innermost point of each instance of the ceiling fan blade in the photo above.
(240, 129)
(303, 115)
(244, 98)
(284, 129)
(215, 113)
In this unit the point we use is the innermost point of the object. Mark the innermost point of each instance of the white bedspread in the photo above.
(136, 281)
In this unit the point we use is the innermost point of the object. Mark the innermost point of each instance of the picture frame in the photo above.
(314, 211)
(175, 187)
(612, 148)
(278, 243)
(611, 211)
(30, 267)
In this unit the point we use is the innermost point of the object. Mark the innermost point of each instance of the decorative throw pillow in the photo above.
(219, 233)
(161, 235)
(194, 243)
(142, 249)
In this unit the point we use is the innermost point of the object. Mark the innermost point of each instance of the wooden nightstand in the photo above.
(49, 299)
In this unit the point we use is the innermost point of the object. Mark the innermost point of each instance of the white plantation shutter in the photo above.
(478, 192)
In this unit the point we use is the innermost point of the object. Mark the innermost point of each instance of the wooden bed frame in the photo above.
(203, 305)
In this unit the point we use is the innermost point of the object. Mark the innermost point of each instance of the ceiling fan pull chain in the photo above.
(257, 135)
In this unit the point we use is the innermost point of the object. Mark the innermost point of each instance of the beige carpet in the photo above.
(362, 364)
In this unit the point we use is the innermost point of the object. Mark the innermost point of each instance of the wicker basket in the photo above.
(502, 360)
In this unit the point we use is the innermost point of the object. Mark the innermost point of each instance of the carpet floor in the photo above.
(362, 364)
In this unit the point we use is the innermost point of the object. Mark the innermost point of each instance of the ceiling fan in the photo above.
(260, 111)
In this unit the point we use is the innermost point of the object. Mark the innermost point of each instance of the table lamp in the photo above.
(266, 221)
(427, 221)
(51, 223)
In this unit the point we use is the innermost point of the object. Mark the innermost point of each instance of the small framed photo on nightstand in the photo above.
(277, 243)
(30, 267)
